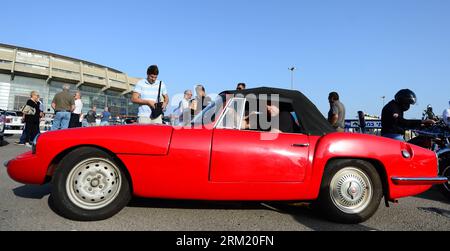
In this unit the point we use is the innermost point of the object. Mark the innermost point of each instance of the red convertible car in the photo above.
(228, 153)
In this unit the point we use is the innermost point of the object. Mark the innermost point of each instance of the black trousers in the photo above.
(74, 121)
(32, 130)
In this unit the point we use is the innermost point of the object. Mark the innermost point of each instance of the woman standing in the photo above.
(32, 117)
(75, 120)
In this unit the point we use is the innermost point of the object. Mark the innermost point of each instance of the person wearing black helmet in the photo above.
(393, 122)
(429, 114)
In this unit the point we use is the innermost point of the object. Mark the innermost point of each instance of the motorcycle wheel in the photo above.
(444, 171)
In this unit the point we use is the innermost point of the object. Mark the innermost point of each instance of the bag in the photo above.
(28, 110)
(158, 110)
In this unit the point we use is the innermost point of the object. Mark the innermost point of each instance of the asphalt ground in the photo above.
(26, 207)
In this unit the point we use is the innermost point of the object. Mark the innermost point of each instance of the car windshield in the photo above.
(209, 114)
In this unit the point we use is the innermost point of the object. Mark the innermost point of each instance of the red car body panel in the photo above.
(250, 156)
(216, 164)
(136, 140)
(423, 163)
(28, 169)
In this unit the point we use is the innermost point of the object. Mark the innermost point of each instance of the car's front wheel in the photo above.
(351, 191)
(89, 185)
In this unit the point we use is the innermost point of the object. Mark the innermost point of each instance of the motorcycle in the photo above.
(437, 139)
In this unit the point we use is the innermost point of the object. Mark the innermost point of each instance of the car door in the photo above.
(255, 156)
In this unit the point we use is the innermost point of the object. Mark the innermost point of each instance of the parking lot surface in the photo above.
(25, 207)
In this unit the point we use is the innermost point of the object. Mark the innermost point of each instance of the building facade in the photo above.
(23, 70)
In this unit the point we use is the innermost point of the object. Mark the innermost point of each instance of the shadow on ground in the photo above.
(440, 211)
(188, 204)
(4, 143)
(435, 195)
(33, 192)
(300, 212)
(307, 216)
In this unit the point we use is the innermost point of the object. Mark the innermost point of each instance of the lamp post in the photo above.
(292, 69)
(384, 99)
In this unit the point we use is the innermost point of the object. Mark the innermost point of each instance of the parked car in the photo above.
(14, 123)
(95, 171)
(2, 126)
(128, 120)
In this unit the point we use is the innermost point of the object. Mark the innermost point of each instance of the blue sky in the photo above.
(362, 49)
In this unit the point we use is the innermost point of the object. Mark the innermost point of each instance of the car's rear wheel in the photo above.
(89, 185)
(351, 191)
(444, 171)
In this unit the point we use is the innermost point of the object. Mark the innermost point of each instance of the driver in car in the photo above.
(280, 119)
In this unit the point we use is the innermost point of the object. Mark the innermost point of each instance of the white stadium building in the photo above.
(24, 70)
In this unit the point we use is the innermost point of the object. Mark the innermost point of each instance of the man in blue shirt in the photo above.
(106, 116)
(146, 95)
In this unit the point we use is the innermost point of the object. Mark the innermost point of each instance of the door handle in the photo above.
(301, 145)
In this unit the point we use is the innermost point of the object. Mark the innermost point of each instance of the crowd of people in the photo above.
(152, 97)
(67, 114)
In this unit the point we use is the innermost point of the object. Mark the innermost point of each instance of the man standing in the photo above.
(183, 111)
(393, 122)
(446, 115)
(429, 114)
(336, 115)
(201, 101)
(92, 116)
(63, 104)
(241, 87)
(146, 95)
(105, 117)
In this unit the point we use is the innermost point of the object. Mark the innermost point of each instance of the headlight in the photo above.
(34, 145)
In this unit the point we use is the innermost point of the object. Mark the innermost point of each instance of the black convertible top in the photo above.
(310, 118)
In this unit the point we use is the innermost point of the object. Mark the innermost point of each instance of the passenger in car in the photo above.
(280, 119)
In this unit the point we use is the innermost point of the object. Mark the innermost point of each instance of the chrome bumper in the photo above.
(419, 181)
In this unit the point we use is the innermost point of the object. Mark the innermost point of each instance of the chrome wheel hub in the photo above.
(93, 184)
(351, 190)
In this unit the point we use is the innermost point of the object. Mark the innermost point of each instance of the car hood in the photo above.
(130, 139)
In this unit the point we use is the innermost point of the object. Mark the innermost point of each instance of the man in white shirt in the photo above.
(75, 117)
(183, 111)
(446, 115)
(146, 95)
